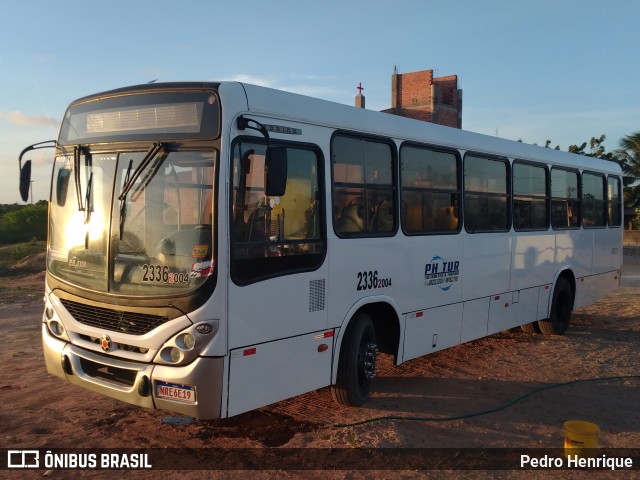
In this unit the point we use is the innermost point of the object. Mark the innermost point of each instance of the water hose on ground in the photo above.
(487, 411)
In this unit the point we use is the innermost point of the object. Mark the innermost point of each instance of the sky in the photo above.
(563, 70)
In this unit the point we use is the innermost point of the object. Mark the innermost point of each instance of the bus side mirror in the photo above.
(25, 180)
(62, 185)
(275, 169)
(25, 170)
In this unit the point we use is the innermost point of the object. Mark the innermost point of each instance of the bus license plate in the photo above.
(178, 393)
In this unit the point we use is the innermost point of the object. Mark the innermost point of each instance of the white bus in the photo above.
(217, 247)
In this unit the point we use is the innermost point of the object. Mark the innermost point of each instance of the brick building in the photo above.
(420, 96)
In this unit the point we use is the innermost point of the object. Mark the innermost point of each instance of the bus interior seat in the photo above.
(352, 218)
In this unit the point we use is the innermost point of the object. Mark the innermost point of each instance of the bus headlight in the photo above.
(56, 328)
(186, 341)
(54, 325)
(184, 347)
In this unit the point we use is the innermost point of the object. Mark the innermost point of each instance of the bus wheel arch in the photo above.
(562, 301)
(373, 327)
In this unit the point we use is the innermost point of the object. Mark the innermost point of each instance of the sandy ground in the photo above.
(40, 411)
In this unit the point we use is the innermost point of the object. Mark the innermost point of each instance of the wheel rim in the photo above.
(366, 360)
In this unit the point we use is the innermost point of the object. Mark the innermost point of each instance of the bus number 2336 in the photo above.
(369, 280)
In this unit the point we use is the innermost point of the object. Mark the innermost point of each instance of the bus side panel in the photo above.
(432, 330)
(475, 316)
(486, 269)
(593, 287)
(270, 372)
(533, 262)
(512, 309)
(433, 269)
(544, 302)
(607, 250)
(574, 248)
(257, 312)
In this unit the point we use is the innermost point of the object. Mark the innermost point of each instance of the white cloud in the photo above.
(44, 57)
(310, 85)
(24, 120)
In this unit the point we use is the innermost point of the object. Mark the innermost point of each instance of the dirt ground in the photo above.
(40, 411)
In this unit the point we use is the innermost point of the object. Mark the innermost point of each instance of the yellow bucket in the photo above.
(580, 438)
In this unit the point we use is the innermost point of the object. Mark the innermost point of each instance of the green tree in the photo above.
(629, 158)
(596, 149)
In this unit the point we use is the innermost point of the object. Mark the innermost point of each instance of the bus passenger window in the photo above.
(363, 187)
(486, 194)
(613, 202)
(430, 190)
(565, 199)
(593, 200)
(530, 197)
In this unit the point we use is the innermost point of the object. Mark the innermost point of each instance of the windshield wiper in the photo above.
(87, 206)
(77, 151)
(130, 180)
(88, 203)
(123, 202)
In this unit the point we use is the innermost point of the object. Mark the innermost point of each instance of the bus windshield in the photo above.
(155, 240)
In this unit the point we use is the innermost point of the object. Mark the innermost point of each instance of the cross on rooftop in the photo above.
(360, 88)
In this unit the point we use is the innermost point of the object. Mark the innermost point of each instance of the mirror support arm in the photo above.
(243, 123)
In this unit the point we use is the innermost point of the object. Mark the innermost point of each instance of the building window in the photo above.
(364, 188)
(486, 194)
(530, 197)
(565, 199)
(430, 194)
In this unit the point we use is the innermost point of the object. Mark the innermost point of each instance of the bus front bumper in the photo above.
(194, 389)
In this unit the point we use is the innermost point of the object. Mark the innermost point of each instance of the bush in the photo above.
(28, 223)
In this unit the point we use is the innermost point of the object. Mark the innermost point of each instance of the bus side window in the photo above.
(486, 194)
(613, 202)
(530, 196)
(430, 190)
(565, 199)
(363, 186)
(593, 200)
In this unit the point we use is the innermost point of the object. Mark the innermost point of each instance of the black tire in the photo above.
(356, 363)
(561, 307)
(532, 327)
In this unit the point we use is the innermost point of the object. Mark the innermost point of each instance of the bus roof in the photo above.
(304, 109)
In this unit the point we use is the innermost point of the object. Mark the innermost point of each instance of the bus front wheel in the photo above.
(561, 307)
(357, 363)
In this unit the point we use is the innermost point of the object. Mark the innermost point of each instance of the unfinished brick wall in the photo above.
(420, 96)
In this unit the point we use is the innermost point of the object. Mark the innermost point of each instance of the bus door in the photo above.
(278, 337)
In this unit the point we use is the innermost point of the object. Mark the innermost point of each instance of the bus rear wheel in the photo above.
(561, 307)
(357, 363)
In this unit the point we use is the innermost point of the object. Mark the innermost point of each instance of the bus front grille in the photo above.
(113, 320)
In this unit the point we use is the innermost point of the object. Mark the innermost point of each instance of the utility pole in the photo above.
(32, 191)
